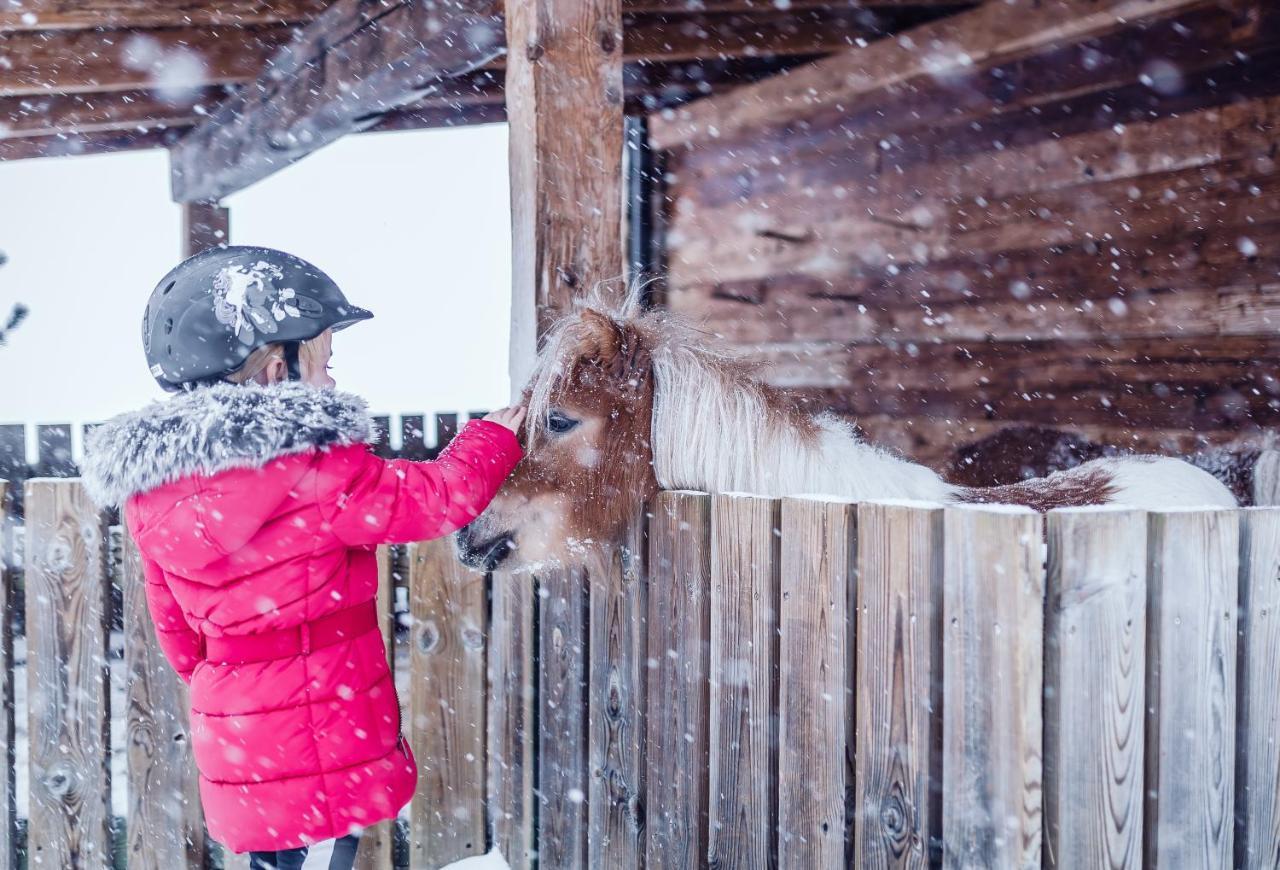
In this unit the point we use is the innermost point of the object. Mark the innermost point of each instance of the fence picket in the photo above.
(68, 620)
(166, 823)
(1095, 658)
(1257, 750)
(1192, 589)
(377, 843)
(676, 721)
(815, 656)
(8, 784)
(899, 685)
(446, 691)
(745, 555)
(993, 617)
(512, 728)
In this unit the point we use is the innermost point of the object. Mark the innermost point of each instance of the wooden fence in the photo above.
(751, 683)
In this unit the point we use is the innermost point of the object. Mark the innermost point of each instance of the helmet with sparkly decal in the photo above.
(214, 309)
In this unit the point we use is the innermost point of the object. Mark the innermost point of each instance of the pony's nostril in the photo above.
(483, 554)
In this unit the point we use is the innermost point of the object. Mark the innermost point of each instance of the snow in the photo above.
(490, 861)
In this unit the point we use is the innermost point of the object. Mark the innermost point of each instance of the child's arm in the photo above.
(379, 501)
(180, 645)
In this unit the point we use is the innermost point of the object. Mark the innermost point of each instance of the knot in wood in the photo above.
(534, 51)
(472, 638)
(608, 40)
(60, 779)
(894, 816)
(428, 636)
(57, 556)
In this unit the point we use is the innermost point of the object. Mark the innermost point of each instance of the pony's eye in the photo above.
(559, 423)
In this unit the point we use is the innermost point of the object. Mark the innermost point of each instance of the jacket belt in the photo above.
(297, 640)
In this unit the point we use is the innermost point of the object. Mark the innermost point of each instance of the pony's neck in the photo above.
(717, 431)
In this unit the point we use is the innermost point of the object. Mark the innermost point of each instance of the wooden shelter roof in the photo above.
(110, 75)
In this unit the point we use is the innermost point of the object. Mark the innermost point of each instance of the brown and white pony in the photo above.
(625, 401)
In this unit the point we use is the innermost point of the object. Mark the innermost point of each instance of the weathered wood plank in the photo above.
(166, 823)
(564, 110)
(108, 14)
(1193, 571)
(447, 701)
(48, 114)
(743, 786)
(1095, 667)
(815, 682)
(677, 718)
(993, 613)
(511, 724)
(616, 697)
(68, 620)
(1257, 790)
(204, 225)
(8, 785)
(898, 821)
(377, 843)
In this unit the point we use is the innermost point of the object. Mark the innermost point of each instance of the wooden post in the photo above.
(512, 694)
(617, 678)
(166, 823)
(205, 225)
(993, 613)
(1192, 587)
(676, 722)
(1257, 750)
(377, 843)
(8, 785)
(68, 622)
(1095, 668)
(815, 673)
(897, 821)
(564, 110)
(744, 665)
(447, 705)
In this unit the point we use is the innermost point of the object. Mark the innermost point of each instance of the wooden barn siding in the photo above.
(1059, 245)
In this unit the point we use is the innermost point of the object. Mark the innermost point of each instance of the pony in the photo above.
(626, 400)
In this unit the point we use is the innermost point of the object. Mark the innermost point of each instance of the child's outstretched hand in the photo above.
(509, 417)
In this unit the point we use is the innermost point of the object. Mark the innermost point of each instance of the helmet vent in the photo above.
(167, 288)
(168, 326)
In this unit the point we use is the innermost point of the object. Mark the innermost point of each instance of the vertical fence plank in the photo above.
(743, 817)
(446, 428)
(511, 725)
(676, 722)
(1095, 669)
(447, 700)
(562, 718)
(815, 728)
(897, 820)
(166, 824)
(8, 784)
(993, 616)
(616, 694)
(1258, 750)
(377, 843)
(1192, 588)
(53, 443)
(68, 618)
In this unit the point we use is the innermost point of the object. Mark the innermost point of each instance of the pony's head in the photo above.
(588, 450)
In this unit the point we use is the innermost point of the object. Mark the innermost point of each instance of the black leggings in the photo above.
(344, 856)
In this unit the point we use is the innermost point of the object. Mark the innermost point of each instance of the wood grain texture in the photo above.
(377, 843)
(677, 718)
(1192, 587)
(166, 822)
(1095, 667)
(564, 111)
(8, 785)
(107, 14)
(815, 682)
(743, 785)
(204, 225)
(512, 728)
(993, 617)
(68, 621)
(618, 676)
(898, 820)
(1257, 791)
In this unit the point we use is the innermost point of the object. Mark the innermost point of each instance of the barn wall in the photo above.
(1089, 239)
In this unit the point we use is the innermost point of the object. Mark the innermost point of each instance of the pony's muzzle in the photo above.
(483, 554)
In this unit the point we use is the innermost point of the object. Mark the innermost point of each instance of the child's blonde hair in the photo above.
(308, 353)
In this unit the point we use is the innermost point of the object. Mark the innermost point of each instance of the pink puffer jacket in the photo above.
(257, 510)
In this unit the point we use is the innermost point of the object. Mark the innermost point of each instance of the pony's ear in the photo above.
(601, 338)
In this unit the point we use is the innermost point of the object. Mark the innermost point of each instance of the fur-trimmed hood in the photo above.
(214, 429)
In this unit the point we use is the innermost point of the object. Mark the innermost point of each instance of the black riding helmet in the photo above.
(214, 309)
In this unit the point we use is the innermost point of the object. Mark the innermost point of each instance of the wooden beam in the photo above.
(73, 144)
(340, 76)
(987, 36)
(204, 225)
(136, 111)
(19, 15)
(564, 105)
(174, 62)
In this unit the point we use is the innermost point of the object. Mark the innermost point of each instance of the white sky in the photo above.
(414, 226)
